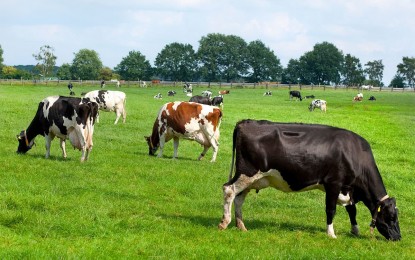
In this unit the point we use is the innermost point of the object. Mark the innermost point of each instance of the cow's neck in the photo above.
(33, 130)
(155, 135)
(373, 190)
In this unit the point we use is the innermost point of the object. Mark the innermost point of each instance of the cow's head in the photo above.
(24, 144)
(152, 149)
(387, 221)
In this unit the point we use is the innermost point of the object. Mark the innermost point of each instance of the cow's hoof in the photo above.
(355, 230)
(222, 226)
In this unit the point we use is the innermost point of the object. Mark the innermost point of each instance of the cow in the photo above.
(310, 96)
(319, 103)
(357, 98)
(186, 120)
(223, 92)
(171, 93)
(207, 93)
(296, 94)
(201, 100)
(299, 157)
(109, 101)
(158, 96)
(63, 117)
(217, 101)
(267, 93)
(360, 95)
(187, 88)
(372, 98)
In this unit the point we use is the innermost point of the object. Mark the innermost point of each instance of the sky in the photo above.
(367, 29)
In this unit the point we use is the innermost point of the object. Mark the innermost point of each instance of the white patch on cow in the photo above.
(114, 102)
(344, 200)
(176, 104)
(50, 101)
(330, 231)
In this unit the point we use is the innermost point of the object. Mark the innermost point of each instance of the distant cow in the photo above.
(186, 120)
(311, 96)
(300, 157)
(187, 88)
(372, 98)
(223, 92)
(268, 93)
(201, 100)
(356, 98)
(158, 96)
(217, 101)
(318, 103)
(360, 95)
(296, 94)
(171, 93)
(207, 93)
(110, 101)
(63, 117)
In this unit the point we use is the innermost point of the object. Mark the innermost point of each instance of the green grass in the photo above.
(123, 203)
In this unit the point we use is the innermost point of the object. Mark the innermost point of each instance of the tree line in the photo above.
(220, 58)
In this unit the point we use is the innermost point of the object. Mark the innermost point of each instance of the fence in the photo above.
(264, 85)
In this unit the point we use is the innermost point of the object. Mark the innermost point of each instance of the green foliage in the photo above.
(134, 67)
(46, 60)
(407, 70)
(263, 63)
(352, 71)
(398, 81)
(86, 65)
(1, 57)
(105, 73)
(374, 70)
(64, 72)
(125, 204)
(177, 62)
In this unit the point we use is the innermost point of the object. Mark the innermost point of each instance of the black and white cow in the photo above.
(268, 93)
(217, 101)
(201, 100)
(318, 103)
(207, 93)
(171, 93)
(300, 157)
(63, 117)
(187, 88)
(296, 94)
(110, 101)
(372, 98)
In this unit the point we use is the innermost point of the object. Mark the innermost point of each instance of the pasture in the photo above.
(123, 203)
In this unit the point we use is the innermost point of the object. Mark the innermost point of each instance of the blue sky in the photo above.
(367, 29)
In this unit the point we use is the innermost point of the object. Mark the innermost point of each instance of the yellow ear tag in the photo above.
(379, 209)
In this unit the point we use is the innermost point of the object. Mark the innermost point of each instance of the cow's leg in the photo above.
(332, 193)
(205, 149)
(63, 147)
(175, 146)
(351, 210)
(118, 113)
(239, 201)
(48, 141)
(229, 196)
(161, 146)
(215, 145)
(124, 114)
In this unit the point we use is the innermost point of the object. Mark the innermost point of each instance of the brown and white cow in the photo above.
(63, 117)
(110, 101)
(187, 120)
(301, 157)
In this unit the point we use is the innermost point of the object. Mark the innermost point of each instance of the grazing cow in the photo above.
(171, 93)
(360, 95)
(72, 93)
(187, 88)
(201, 100)
(158, 96)
(62, 117)
(356, 98)
(268, 93)
(311, 96)
(296, 94)
(217, 101)
(300, 157)
(207, 93)
(224, 92)
(372, 98)
(109, 101)
(319, 103)
(186, 120)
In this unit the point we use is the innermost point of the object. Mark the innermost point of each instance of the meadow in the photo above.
(123, 203)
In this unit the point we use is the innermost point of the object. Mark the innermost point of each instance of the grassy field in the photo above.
(123, 203)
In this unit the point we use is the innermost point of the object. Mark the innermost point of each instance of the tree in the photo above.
(64, 72)
(322, 65)
(263, 63)
(222, 57)
(374, 71)
(105, 73)
(86, 65)
(9, 72)
(292, 74)
(1, 58)
(46, 60)
(352, 71)
(134, 67)
(397, 81)
(177, 62)
(407, 70)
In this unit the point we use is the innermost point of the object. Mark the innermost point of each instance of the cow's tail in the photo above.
(235, 132)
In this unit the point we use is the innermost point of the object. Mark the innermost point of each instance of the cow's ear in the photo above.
(18, 137)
